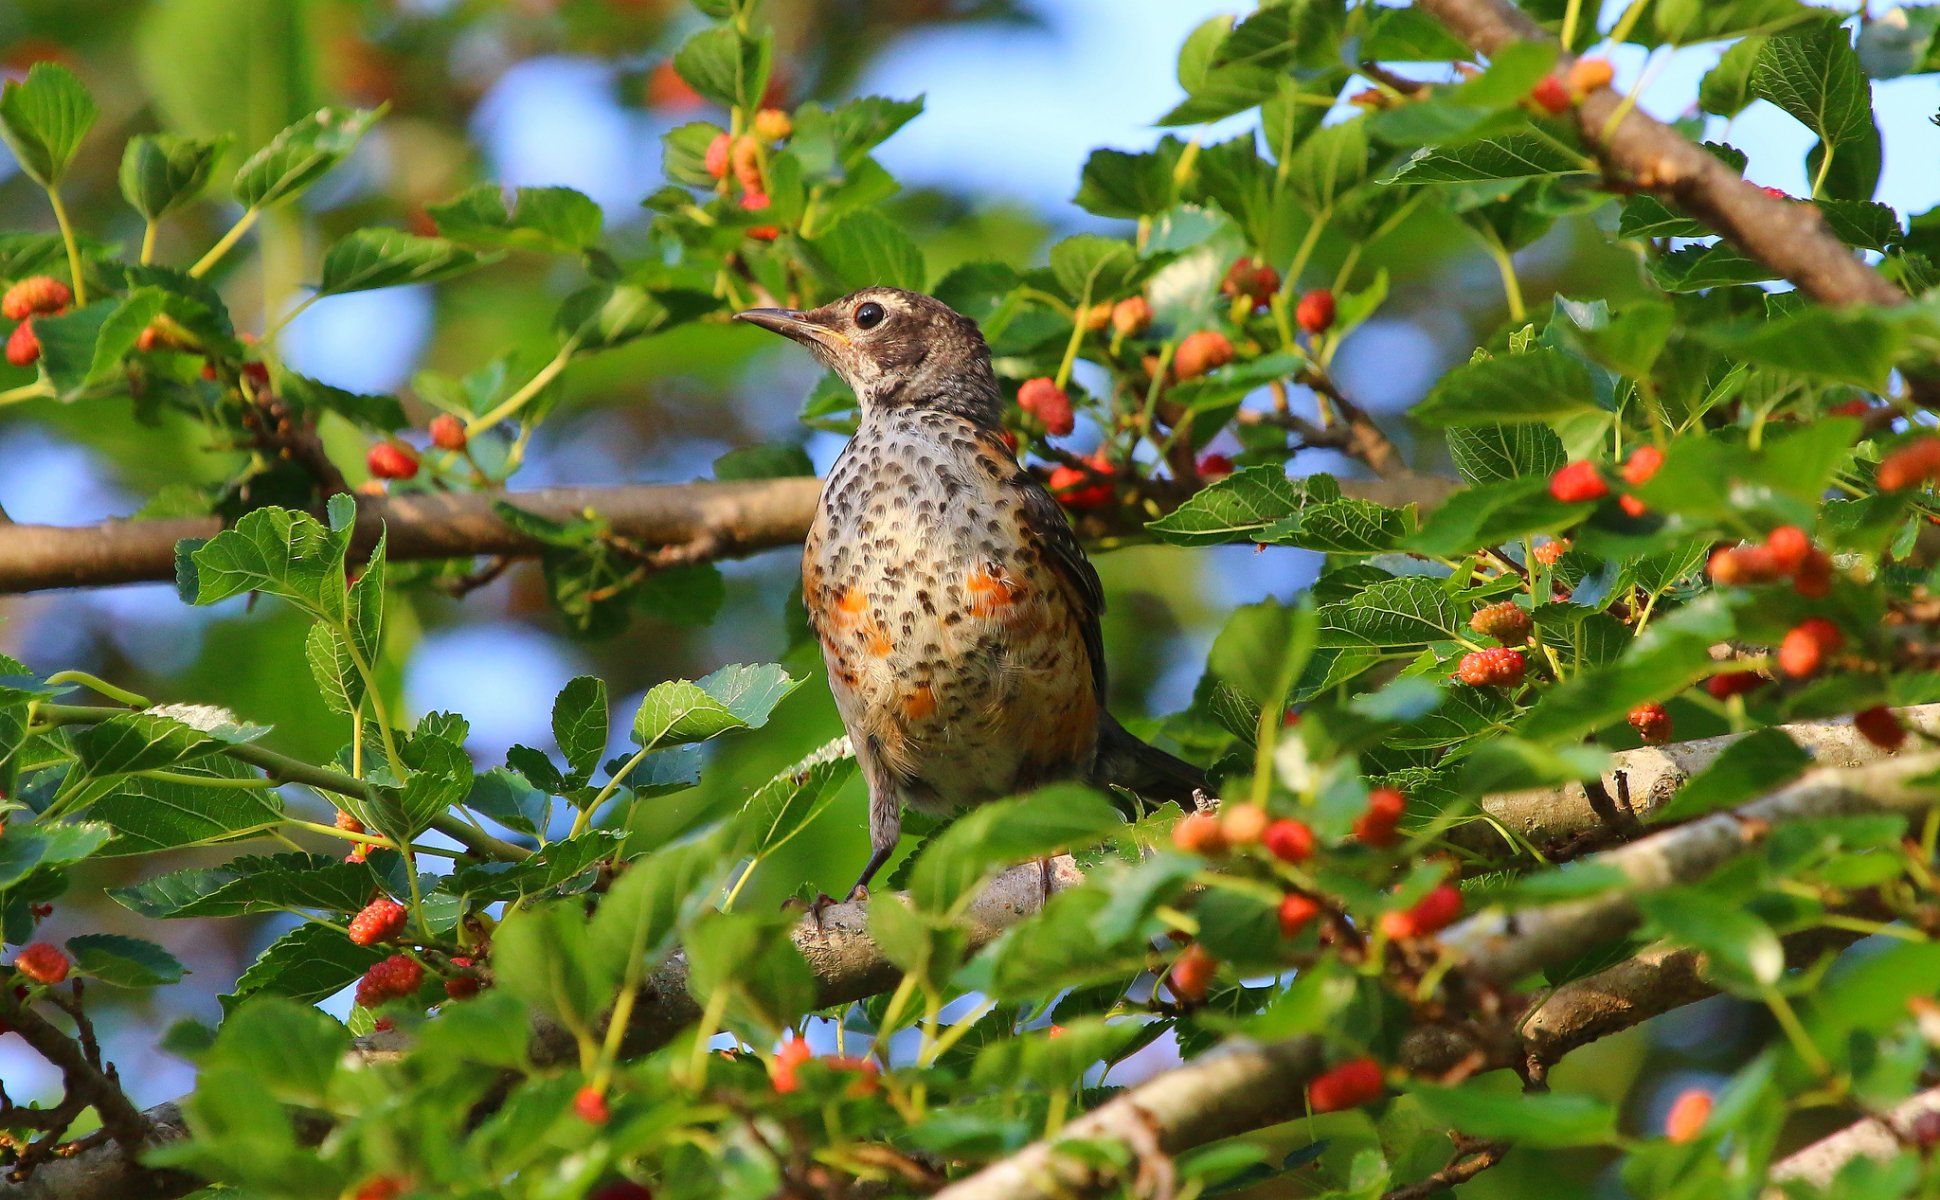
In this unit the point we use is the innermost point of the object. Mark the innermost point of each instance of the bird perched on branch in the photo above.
(957, 612)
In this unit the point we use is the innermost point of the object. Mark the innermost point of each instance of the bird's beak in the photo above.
(793, 325)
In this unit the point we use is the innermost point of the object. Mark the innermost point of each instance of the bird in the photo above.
(957, 612)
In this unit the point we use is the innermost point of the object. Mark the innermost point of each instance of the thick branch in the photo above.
(847, 967)
(1872, 1138)
(726, 520)
(1650, 776)
(1245, 1086)
(1790, 238)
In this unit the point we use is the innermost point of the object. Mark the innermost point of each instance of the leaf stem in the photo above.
(148, 242)
(225, 243)
(73, 247)
(519, 399)
(93, 683)
(284, 769)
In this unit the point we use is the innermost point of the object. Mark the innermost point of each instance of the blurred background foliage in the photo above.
(577, 92)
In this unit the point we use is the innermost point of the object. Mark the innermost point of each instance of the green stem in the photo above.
(73, 247)
(1511, 286)
(1795, 1033)
(225, 243)
(1628, 21)
(1570, 16)
(36, 390)
(1077, 339)
(519, 399)
(148, 242)
(284, 769)
(1825, 165)
(283, 322)
(245, 783)
(100, 685)
(612, 785)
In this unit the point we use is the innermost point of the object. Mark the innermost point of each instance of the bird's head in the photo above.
(895, 348)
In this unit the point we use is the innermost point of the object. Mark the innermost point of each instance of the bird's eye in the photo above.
(870, 315)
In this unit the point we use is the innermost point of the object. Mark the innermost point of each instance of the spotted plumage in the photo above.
(957, 613)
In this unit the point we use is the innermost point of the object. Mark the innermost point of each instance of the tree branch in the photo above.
(1873, 1137)
(847, 966)
(1650, 776)
(1788, 237)
(725, 520)
(1242, 1086)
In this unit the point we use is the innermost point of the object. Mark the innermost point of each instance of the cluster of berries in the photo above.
(742, 157)
(1787, 553)
(393, 459)
(796, 1052)
(1243, 826)
(1582, 482)
(35, 296)
(1558, 94)
(399, 976)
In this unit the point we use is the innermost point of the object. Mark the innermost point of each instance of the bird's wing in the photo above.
(1062, 551)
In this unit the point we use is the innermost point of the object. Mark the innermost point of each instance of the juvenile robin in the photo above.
(956, 610)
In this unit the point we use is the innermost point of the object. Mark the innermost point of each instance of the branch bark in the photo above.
(1244, 1086)
(727, 520)
(847, 965)
(1788, 237)
(1819, 1162)
(1650, 776)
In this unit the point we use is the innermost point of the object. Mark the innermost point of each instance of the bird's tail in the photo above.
(1125, 761)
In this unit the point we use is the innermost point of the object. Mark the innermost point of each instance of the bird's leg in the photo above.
(1045, 876)
(885, 830)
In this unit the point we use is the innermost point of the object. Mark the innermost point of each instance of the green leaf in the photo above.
(999, 834)
(84, 346)
(1856, 345)
(162, 814)
(755, 962)
(1535, 1119)
(377, 414)
(1686, 22)
(27, 848)
(441, 776)
(579, 725)
(1116, 183)
(128, 962)
(160, 172)
(835, 143)
(367, 259)
(1489, 514)
(280, 551)
(1748, 768)
(1526, 155)
(770, 460)
(1672, 654)
(1814, 74)
(139, 742)
(736, 697)
(1700, 268)
(1726, 89)
(555, 220)
(338, 681)
(1489, 453)
(1542, 385)
(1409, 611)
(309, 963)
(294, 1049)
(300, 155)
(43, 119)
(1329, 164)
(253, 884)
(1739, 948)
(1094, 267)
(1238, 508)
(604, 315)
(653, 900)
(724, 66)
(542, 956)
(786, 804)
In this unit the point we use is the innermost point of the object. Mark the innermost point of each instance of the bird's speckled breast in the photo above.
(952, 643)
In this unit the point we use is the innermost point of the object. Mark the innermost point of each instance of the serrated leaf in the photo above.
(160, 172)
(866, 249)
(579, 724)
(254, 884)
(162, 814)
(1489, 514)
(43, 119)
(1238, 508)
(1525, 155)
(1408, 611)
(276, 550)
(300, 155)
(995, 835)
(367, 259)
(128, 962)
(25, 849)
(1532, 1119)
(1542, 385)
(736, 697)
(725, 65)
(1753, 766)
(1490, 453)
(1814, 74)
(1117, 183)
(309, 963)
(786, 804)
(557, 220)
